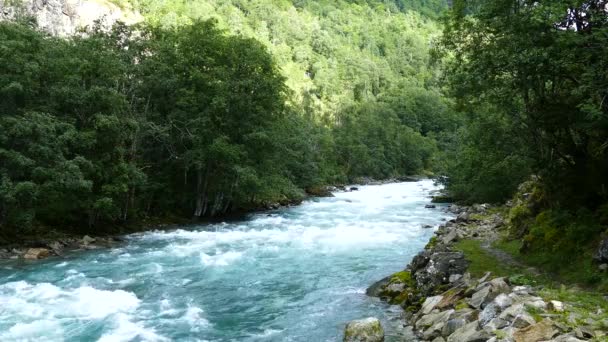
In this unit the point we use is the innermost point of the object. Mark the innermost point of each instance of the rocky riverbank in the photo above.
(442, 302)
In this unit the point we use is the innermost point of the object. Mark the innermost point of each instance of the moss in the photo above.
(432, 243)
(404, 277)
(461, 304)
(535, 313)
(400, 299)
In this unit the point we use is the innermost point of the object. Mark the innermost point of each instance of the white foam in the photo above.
(39, 309)
(220, 259)
(126, 330)
(194, 319)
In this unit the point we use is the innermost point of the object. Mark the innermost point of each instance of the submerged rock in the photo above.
(364, 330)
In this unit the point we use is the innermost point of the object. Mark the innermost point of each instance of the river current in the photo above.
(295, 274)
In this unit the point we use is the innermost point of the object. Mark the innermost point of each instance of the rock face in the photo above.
(364, 330)
(65, 17)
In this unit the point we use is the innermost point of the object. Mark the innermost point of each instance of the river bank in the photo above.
(48, 242)
(462, 289)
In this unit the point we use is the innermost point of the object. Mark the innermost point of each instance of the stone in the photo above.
(566, 338)
(541, 331)
(450, 297)
(584, 333)
(429, 304)
(87, 240)
(454, 278)
(450, 237)
(364, 330)
(434, 331)
(503, 301)
(603, 267)
(488, 313)
(376, 289)
(496, 324)
(523, 320)
(439, 339)
(434, 318)
(513, 311)
(430, 206)
(463, 217)
(36, 253)
(395, 288)
(601, 255)
(556, 305)
(452, 325)
(479, 297)
(469, 333)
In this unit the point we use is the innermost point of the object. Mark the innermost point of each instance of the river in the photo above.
(295, 274)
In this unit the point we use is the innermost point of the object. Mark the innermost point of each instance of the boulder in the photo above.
(556, 305)
(452, 325)
(429, 304)
(87, 240)
(429, 320)
(430, 206)
(36, 253)
(542, 331)
(450, 297)
(523, 320)
(469, 333)
(488, 313)
(376, 289)
(364, 330)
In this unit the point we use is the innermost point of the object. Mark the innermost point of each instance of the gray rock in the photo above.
(513, 311)
(479, 297)
(429, 320)
(395, 288)
(566, 338)
(439, 339)
(454, 278)
(376, 288)
(603, 267)
(503, 301)
(452, 325)
(364, 330)
(523, 320)
(601, 255)
(469, 333)
(429, 304)
(87, 240)
(496, 324)
(450, 237)
(488, 313)
(584, 333)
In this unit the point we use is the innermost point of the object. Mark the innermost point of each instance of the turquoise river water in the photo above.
(296, 274)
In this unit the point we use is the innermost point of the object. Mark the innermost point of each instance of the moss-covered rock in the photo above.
(364, 330)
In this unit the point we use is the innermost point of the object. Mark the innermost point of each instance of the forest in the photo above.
(211, 107)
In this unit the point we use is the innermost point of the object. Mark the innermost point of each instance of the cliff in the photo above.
(65, 17)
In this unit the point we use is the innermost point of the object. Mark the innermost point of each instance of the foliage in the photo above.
(540, 67)
(212, 107)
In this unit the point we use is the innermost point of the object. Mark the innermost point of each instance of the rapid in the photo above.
(294, 274)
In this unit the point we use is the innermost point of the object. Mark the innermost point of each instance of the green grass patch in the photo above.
(481, 261)
(559, 268)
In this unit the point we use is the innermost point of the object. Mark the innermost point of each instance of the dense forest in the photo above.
(213, 107)
(532, 79)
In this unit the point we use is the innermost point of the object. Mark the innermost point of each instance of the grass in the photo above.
(481, 261)
(575, 270)
(583, 306)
